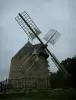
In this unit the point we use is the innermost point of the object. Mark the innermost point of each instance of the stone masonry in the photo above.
(30, 62)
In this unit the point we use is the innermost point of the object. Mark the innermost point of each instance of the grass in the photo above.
(59, 94)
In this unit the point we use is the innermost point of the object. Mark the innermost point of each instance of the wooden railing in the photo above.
(25, 83)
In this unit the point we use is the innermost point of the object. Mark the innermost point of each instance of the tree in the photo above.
(59, 81)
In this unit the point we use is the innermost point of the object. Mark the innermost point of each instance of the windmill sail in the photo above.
(24, 26)
(52, 36)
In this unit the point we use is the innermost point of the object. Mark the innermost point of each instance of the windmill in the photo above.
(33, 31)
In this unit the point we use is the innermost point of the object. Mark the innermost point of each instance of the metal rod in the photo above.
(66, 74)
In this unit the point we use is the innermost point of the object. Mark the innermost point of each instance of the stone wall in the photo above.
(29, 69)
(28, 66)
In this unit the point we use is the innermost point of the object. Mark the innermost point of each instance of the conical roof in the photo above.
(28, 48)
(28, 44)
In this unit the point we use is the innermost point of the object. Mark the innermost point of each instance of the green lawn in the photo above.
(56, 94)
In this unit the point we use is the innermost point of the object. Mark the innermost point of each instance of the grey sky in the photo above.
(57, 14)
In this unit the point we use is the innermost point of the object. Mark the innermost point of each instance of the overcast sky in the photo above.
(47, 14)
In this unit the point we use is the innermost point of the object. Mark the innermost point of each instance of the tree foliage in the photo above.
(59, 81)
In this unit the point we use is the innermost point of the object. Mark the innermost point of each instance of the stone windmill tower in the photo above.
(29, 62)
